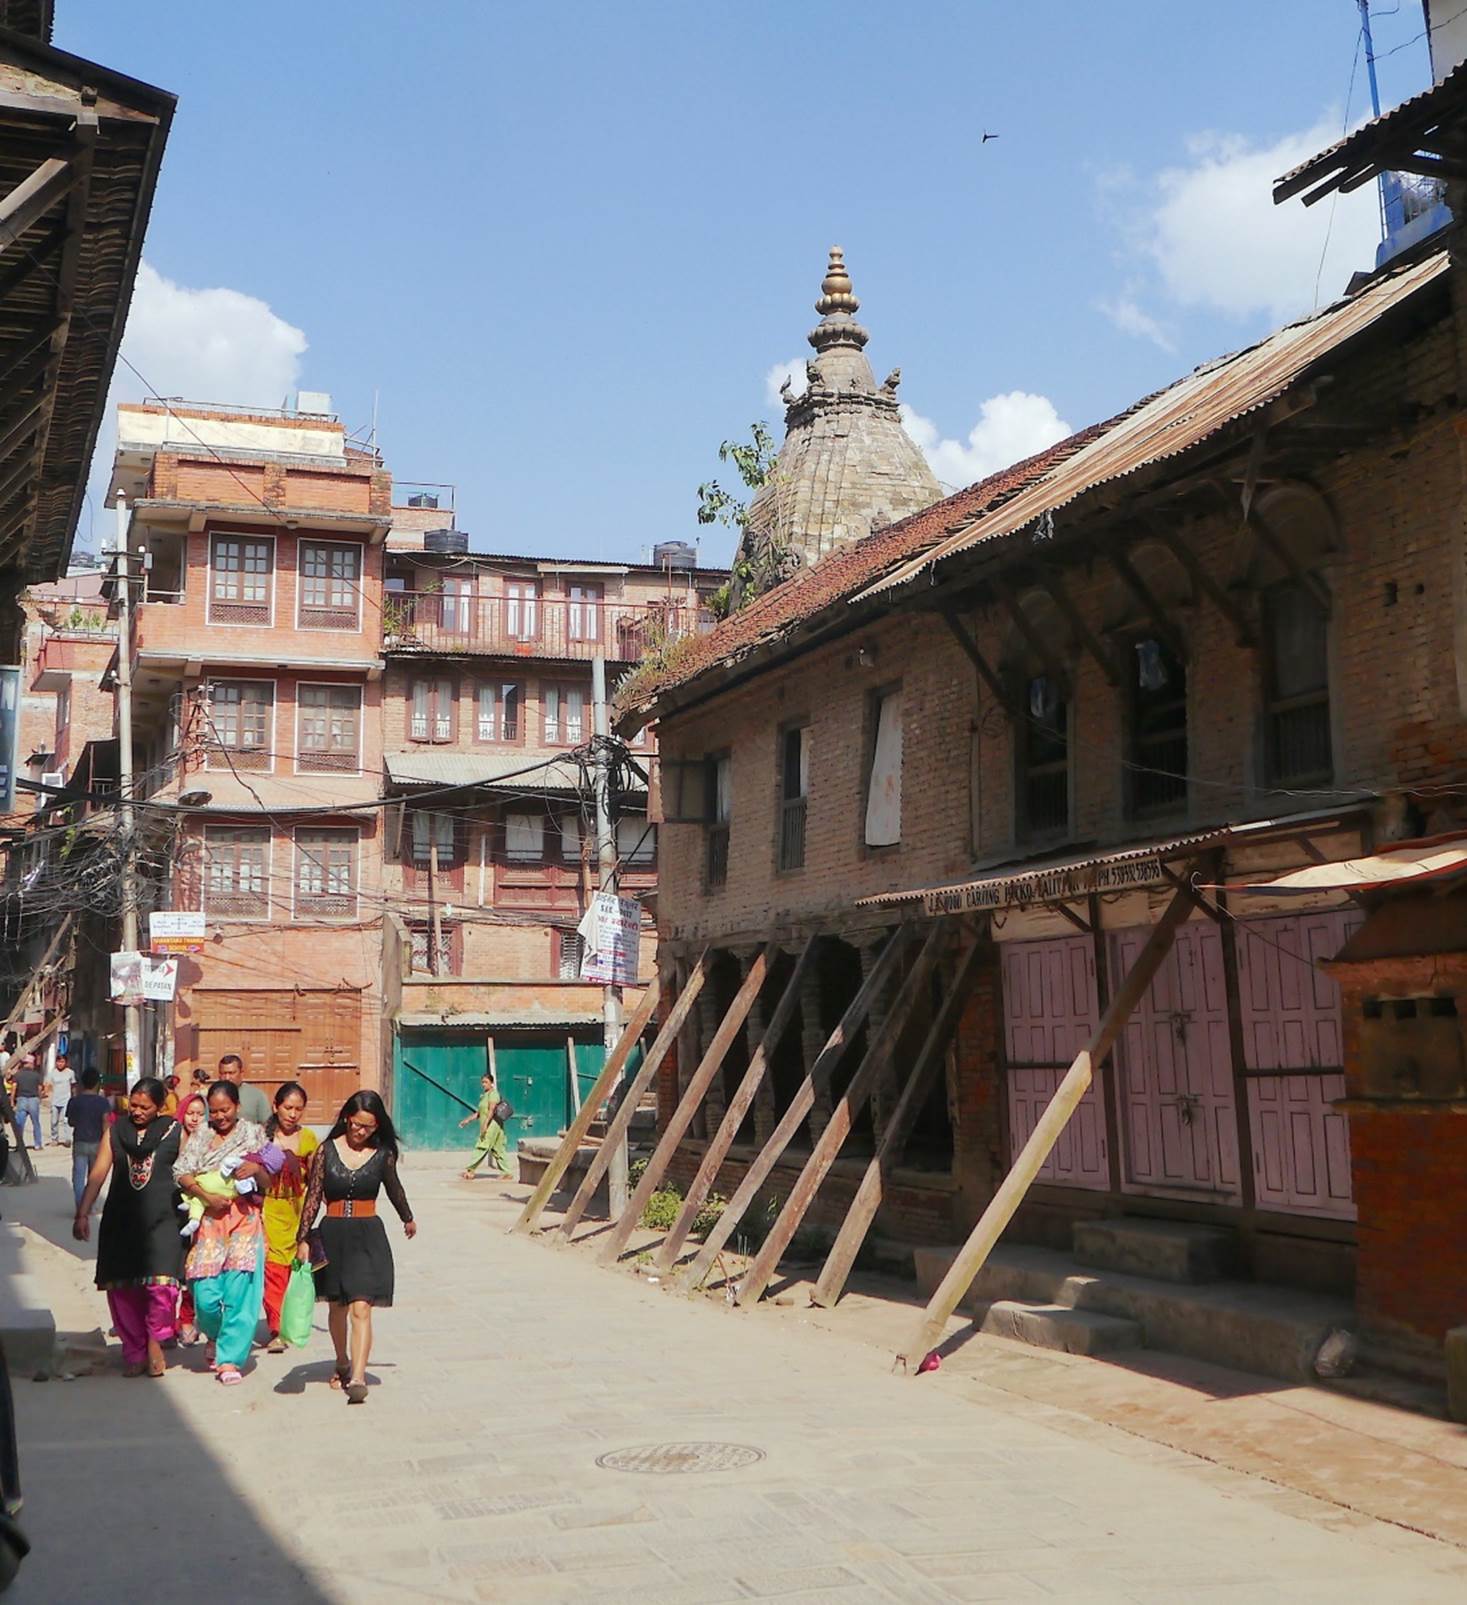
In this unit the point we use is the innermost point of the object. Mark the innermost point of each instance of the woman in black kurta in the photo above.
(139, 1250)
(356, 1162)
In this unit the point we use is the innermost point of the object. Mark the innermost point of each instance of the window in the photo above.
(636, 842)
(1158, 774)
(430, 830)
(565, 715)
(240, 567)
(241, 715)
(431, 715)
(237, 871)
(456, 605)
(1044, 759)
(1296, 635)
(330, 585)
(884, 778)
(63, 713)
(570, 838)
(715, 871)
(794, 790)
(498, 713)
(448, 960)
(326, 872)
(521, 609)
(583, 612)
(524, 838)
(330, 718)
(569, 952)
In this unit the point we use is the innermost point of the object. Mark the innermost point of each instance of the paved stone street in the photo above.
(508, 1368)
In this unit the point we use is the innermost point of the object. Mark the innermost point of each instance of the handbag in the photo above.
(298, 1306)
(504, 1111)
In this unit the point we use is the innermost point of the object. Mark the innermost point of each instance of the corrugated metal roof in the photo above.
(511, 1020)
(1184, 415)
(517, 770)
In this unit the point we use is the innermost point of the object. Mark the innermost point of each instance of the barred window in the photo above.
(326, 872)
(1297, 659)
(237, 871)
(499, 711)
(240, 716)
(432, 709)
(330, 721)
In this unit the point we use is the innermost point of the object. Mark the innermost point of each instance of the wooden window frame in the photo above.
(304, 610)
(453, 943)
(791, 822)
(718, 830)
(560, 945)
(515, 590)
(871, 726)
(483, 684)
(211, 598)
(434, 682)
(259, 832)
(301, 749)
(452, 875)
(561, 736)
(1276, 706)
(215, 748)
(350, 833)
(1026, 770)
(574, 605)
(1140, 768)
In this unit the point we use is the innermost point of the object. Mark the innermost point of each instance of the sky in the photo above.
(563, 251)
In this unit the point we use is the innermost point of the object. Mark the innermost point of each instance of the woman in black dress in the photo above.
(356, 1161)
(139, 1251)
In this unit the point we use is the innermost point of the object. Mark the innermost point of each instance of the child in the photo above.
(491, 1143)
(219, 1183)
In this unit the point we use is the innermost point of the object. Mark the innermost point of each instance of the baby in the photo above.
(220, 1183)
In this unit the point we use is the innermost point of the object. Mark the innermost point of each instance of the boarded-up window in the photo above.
(240, 717)
(330, 585)
(884, 783)
(239, 580)
(237, 871)
(330, 722)
(326, 872)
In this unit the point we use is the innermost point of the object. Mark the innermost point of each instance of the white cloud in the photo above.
(204, 345)
(1010, 427)
(1130, 317)
(1217, 242)
(793, 370)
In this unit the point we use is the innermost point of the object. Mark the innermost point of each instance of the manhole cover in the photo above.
(665, 1459)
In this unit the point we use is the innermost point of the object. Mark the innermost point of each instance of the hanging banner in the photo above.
(173, 931)
(611, 932)
(9, 735)
(138, 978)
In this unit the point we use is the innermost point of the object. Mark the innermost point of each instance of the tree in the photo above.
(753, 572)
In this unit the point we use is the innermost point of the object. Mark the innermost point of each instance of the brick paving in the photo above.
(509, 1367)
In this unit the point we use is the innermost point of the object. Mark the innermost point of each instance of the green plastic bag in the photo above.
(298, 1305)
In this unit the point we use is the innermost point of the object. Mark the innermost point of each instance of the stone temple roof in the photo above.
(847, 467)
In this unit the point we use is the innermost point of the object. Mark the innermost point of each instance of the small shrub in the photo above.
(708, 1216)
(662, 1209)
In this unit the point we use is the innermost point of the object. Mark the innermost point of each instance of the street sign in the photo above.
(139, 978)
(612, 933)
(172, 931)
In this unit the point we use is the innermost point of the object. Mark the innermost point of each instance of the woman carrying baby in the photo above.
(226, 1264)
(284, 1199)
(139, 1251)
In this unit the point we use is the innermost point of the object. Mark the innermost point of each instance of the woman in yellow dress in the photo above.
(285, 1200)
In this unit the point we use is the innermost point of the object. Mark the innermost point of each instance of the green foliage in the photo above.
(662, 1209)
(753, 461)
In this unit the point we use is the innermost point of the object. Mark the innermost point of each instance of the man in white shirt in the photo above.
(61, 1082)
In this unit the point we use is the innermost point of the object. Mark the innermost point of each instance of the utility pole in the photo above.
(131, 1014)
(616, 1175)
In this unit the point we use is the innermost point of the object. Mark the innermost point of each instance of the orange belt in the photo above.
(349, 1207)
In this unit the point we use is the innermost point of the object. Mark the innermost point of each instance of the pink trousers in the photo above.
(140, 1313)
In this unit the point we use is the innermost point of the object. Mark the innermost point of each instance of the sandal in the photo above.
(276, 1345)
(340, 1375)
(356, 1393)
(229, 1376)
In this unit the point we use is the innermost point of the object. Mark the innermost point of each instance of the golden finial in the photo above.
(836, 286)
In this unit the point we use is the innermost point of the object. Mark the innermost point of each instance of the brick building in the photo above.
(490, 865)
(1203, 659)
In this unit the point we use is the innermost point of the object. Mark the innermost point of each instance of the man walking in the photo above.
(62, 1084)
(86, 1114)
(253, 1104)
(28, 1082)
(491, 1144)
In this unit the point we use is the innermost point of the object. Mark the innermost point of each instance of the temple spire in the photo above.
(837, 307)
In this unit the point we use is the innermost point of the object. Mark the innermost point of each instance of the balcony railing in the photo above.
(423, 621)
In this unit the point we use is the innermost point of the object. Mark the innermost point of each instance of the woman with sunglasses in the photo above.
(357, 1160)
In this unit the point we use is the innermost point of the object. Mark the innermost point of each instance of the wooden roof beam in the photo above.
(34, 196)
(986, 672)
(1243, 631)
(1170, 638)
(1036, 642)
(1049, 578)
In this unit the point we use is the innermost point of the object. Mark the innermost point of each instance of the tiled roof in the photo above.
(849, 569)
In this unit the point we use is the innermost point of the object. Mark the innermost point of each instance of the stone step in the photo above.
(1272, 1331)
(1165, 1251)
(1056, 1326)
(27, 1326)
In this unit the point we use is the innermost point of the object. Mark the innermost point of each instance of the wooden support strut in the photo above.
(986, 672)
(914, 1095)
(33, 196)
(800, 1105)
(1243, 632)
(733, 1117)
(1143, 593)
(1076, 621)
(702, 1078)
(25, 996)
(622, 1119)
(882, 1044)
(1037, 644)
(598, 1094)
(974, 1253)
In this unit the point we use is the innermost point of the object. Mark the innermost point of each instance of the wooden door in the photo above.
(1050, 1010)
(1291, 1024)
(1175, 1072)
(310, 1037)
(436, 1084)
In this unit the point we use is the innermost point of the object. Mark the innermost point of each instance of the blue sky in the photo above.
(567, 245)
